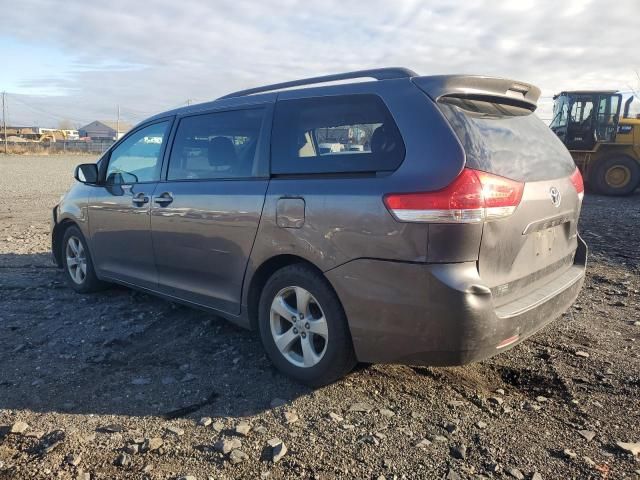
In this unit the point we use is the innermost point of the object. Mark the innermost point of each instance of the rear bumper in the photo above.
(442, 314)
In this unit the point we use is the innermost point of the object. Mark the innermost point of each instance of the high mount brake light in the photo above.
(473, 197)
(578, 183)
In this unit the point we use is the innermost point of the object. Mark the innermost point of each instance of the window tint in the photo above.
(137, 158)
(335, 134)
(216, 145)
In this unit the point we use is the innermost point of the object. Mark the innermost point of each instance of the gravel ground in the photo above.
(124, 385)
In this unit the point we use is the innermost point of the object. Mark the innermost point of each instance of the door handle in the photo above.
(140, 199)
(164, 199)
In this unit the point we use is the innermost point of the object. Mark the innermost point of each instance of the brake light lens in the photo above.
(473, 197)
(578, 183)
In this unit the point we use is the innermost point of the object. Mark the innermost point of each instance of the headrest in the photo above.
(222, 152)
(383, 140)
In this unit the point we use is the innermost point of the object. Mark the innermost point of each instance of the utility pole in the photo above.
(118, 125)
(4, 121)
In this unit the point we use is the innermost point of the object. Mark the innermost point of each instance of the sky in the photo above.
(76, 61)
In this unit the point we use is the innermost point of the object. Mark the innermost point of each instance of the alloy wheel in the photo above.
(76, 260)
(299, 327)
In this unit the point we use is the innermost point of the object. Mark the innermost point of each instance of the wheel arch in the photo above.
(262, 275)
(56, 238)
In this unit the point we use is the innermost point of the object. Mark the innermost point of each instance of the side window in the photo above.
(137, 158)
(335, 134)
(216, 145)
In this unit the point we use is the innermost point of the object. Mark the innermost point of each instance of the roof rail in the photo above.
(377, 73)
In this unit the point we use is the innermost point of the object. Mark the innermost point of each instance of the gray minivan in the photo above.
(424, 220)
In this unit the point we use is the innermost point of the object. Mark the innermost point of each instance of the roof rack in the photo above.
(377, 73)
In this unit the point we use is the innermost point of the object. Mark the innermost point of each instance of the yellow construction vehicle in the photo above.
(52, 135)
(604, 144)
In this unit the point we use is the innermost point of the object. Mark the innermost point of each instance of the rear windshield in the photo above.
(506, 140)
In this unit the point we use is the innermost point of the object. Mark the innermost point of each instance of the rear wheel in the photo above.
(77, 263)
(303, 327)
(616, 176)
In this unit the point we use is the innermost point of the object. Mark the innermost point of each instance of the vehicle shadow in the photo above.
(123, 352)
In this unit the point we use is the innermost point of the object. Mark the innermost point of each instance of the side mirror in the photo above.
(86, 173)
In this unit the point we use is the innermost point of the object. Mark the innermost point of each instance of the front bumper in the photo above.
(442, 314)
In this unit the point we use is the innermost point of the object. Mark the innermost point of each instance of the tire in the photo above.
(80, 275)
(618, 175)
(311, 351)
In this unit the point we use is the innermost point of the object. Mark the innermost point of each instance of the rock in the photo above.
(500, 391)
(278, 449)
(370, 439)
(204, 421)
(335, 417)
(582, 354)
(73, 459)
(541, 399)
(438, 438)
(536, 476)
(218, 426)
(189, 377)
(423, 443)
(168, 380)
(277, 402)
(455, 403)
(495, 400)
(187, 477)
(291, 417)
(141, 381)
(243, 428)
(589, 462)
(147, 468)
(152, 444)
(515, 473)
(569, 453)
(587, 434)
(480, 424)
(450, 427)
(227, 445)
(83, 476)
(237, 456)
(360, 407)
(132, 449)
(385, 412)
(123, 460)
(174, 430)
(19, 428)
(458, 451)
(633, 448)
(260, 429)
(452, 475)
(112, 428)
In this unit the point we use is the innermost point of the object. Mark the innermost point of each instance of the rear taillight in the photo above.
(474, 196)
(578, 183)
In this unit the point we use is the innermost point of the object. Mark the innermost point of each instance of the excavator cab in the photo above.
(604, 144)
(581, 119)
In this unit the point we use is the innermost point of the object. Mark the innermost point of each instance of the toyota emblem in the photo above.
(555, 196)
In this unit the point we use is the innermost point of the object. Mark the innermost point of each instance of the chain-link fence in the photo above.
(61, 146)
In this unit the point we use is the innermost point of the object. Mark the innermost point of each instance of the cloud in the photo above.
(151, 56)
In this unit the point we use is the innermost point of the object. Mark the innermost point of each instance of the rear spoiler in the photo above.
(491, 89)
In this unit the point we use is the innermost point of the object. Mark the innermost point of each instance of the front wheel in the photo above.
(303, 327)
(77, 263)
(616, 176)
